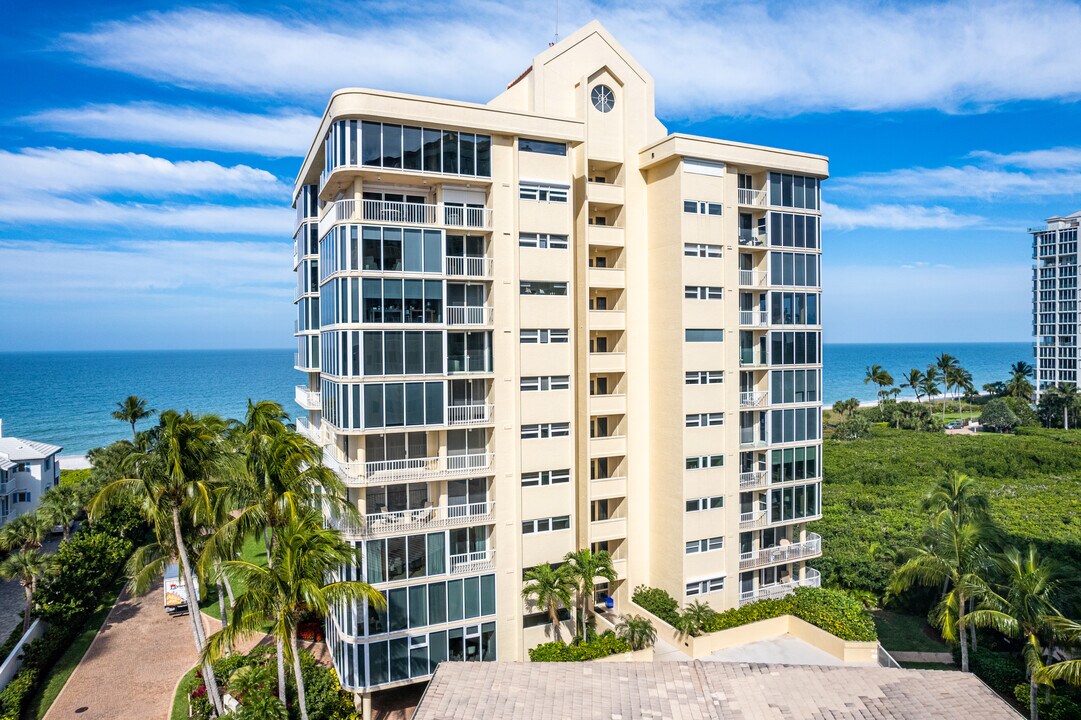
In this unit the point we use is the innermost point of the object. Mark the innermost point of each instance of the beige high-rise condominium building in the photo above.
(545, 324)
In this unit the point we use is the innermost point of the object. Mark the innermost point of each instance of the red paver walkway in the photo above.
(133, 665)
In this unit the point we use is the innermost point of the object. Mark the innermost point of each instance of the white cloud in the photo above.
(968, 181)
(282, 134)
(896, 217)
(1059, 158)
(85, 172)
(781, 60)
(212, 219)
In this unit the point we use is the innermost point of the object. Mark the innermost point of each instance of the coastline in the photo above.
(73, 462)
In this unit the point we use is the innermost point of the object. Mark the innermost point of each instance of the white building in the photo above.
(27, 469)
(1054, 301)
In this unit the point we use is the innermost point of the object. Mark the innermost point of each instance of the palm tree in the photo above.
(946, 364)
(131, 410)
(877, 375)
(930, 383)
(173, 479)
(1025, 610)
(584, 567)
(292, 584)
(549, 589)
(1066, 670)
(1018, 384)
(637, 631)
(61, 505)
(914, 380)
(1068, 398)
(27, 565)
(952, 555)
(996, 388)
(26, 531)
(955, 494)
(695, 618)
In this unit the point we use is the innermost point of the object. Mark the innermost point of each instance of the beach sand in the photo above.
(73, 462)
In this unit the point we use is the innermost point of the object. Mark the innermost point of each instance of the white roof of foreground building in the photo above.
(703, 691)
(17, 450)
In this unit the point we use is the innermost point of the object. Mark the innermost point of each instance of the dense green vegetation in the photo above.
(873, 487)
(832, 610)
(602, 645)
(906, 633)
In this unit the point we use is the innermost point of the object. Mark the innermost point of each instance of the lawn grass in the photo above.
(180, 700)
(906, 666)
(905, 633)
(253, 551)
(65, 666)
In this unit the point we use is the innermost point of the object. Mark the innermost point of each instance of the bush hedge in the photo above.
(603, 645)
(88, 564)
(831, 610)
(1056, 707)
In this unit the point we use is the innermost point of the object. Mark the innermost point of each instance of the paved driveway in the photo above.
(133, 665)
(13, 599)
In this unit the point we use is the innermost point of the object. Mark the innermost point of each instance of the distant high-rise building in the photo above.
(1054, 301)
(545, 324)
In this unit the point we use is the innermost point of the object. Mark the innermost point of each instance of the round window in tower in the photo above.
(603, 98)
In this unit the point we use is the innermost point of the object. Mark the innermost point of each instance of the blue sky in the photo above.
(148, 150)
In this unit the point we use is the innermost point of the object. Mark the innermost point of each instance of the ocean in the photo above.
(66, 398)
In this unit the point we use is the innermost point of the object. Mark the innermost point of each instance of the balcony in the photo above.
(610, 529)
(605, 236)
(619, 565)
(753, 519)
(356, 473)
(748, 438)
(609, 487)
(403, 213)
(753, 479)
(472, 562)
(607, 320)
(608, 446)
(608, 404)
(470, 414)
(748, 357)
(469, 315)
(7, 487)
(753, 318)
(604, 193)
(753, 198)
(403, 521)
(753, 239)
(469, 365)
(309, 399)
(752, 398)
(312, 432)
(811, 547)
(753, 278)
(606, 278)
(607, 362)
(465, 266)
(811, 578)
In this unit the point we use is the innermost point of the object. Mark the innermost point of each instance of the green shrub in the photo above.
(325, 698)
(1026, 415)
(750, 613)
(88, 564)
(74, 477)
(11, 642)
(998, 415)
(603, 645)
(1001, 671)
(14, 697)
(658, 602)
(1056, 707)
(852, 428)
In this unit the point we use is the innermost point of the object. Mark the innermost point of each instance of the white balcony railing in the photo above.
(811, 547)
(755, 198)
(753, 318)
(811, 578)
(312, 432)
(308, 399)
(469, 414)
(471, 315)
(472, 562)
(400, 521)
(753, 519)
(752, 398)
(409, 469)
(753, 478)
(407, 213)
(753, 278)
(459, 266)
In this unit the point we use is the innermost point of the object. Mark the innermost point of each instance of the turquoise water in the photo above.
(66, 398)
(844, 365)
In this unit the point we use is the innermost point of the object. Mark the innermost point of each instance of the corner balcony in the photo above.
(754, 318)
(478, 315)
(470, 414)
(809, 548)
(403, 213)
(309, 399)
(359, 474)
(753, 198)
(310, 431)
(432, 517)
(466, 266)
(752, 398)
(811, 578)
(472, 562)
(753, 278)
